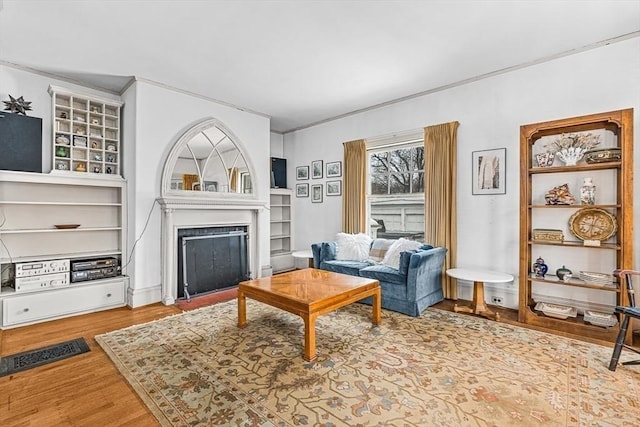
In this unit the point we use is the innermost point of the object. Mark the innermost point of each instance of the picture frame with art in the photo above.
(302, 190)
(316, 193)
(316, 169)
(334, 188)
(334, 169)
(302, 172)
(489, 171)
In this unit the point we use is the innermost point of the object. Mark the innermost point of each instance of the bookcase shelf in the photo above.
(86, 133)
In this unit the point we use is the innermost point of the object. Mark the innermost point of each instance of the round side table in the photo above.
(303, 256)
(479, 278)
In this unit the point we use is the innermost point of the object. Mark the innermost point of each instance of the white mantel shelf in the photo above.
(211, 203)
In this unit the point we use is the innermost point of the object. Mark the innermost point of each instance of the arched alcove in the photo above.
(208, 160)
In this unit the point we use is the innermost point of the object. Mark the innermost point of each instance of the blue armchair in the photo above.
(416, 285)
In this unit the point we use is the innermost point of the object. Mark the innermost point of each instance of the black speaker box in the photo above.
(278, 173)
(20, 142)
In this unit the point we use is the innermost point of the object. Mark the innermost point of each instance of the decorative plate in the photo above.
(556, 310)
(595, 277)
(593, 224)
(600, 319)
(66, 226)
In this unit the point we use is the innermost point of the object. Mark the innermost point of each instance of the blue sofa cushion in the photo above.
(345, 267)
(384, 273)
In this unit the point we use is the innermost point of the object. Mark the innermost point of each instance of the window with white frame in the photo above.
(395, 195)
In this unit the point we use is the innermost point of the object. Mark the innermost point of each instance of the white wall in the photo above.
(490, 113)
(277, 144)
(161, 117)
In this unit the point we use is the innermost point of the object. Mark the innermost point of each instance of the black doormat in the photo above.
(33, 358)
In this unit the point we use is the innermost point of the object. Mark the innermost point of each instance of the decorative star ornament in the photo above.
(18, 105)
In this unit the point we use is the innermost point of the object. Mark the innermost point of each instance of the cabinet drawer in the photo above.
(52, 304)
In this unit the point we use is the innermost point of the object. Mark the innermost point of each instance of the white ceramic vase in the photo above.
(571, 156)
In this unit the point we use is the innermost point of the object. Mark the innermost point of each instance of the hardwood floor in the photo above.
(84, 390)
(87, 390)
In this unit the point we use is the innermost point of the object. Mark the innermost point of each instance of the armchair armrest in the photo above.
(425, 272)
(325, 251)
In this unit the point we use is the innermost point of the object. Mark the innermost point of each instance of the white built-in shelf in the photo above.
(281, 229)
(86, 133)
(36, 203)
(30, 205)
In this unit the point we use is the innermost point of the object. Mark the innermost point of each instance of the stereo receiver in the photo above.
(35, 283)
(93, 264)
(93, 274)
(38, 268)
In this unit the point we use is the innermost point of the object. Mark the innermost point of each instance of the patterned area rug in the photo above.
(441, 369)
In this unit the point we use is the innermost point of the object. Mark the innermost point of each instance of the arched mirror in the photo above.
(208, 159)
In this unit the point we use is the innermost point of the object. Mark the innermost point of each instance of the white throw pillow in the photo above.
(392, 257)
(352, 247)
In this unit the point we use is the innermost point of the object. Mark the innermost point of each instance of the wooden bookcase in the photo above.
(615, 195)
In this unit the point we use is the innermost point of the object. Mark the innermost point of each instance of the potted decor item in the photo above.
(540, 268)
(588, 192)
(564, 273)
(570, 148)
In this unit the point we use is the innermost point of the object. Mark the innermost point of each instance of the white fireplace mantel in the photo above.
(191, 212)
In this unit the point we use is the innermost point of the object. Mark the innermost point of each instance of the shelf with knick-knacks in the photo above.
(574, 220)
(86, 133)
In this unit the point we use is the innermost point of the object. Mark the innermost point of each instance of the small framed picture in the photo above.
(334, 169)
(302, 172)
(334, 188)
(488, 171)
(316, 193)
(302, 190)
(316, 169)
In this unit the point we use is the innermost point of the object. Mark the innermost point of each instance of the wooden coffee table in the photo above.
(308, 293)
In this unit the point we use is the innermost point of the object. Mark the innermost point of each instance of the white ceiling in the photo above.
(302, 62)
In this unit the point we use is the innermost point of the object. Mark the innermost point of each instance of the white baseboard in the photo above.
(144, 296)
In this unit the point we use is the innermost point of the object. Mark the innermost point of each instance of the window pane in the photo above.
(400, 160)
(378, 163)
(402, 217)
(418, 158)
(400, 183)
(418, 182)
(379, 184)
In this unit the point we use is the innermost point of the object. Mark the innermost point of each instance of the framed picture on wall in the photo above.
(316, 193)
(302, 190)
(334, 188)
(334, 169)
(302, 172)
(316, 169)
(488, 171)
